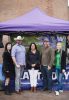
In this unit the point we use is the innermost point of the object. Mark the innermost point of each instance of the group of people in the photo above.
(33, 60)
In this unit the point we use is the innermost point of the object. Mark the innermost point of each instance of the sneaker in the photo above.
(61, 91)
(45, 89)
(17, 92)
(57, 93)
(49, 91)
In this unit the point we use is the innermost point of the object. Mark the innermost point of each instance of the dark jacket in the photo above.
(33, 59)
(8, 64)
(63, 59)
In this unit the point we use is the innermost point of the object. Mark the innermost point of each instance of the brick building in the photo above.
(10, 9)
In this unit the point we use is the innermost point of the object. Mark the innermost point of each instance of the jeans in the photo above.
(47, 77)
(59, 79)
(18, 75)
(33, 77)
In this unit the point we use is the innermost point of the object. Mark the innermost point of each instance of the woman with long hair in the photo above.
(33, 64)
(60, 64)
(8, 67)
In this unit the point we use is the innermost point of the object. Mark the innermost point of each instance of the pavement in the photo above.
(39, 95)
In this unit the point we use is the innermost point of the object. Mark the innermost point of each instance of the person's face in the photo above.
(59, 46)
(46, 44)
(19, 41)
(9, 47)
(32, 47)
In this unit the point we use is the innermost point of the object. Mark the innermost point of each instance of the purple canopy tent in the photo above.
(35, 20)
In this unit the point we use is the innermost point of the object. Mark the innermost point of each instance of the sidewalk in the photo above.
(27, 95)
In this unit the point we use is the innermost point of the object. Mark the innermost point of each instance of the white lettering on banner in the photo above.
(54, 77)
(66, 75)
(39, 73)
(25, 75)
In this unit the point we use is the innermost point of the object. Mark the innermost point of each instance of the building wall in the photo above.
(12, 8)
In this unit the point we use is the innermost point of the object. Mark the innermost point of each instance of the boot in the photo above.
(9, 89)
(7, 92)
(35, 89)
(32, 89)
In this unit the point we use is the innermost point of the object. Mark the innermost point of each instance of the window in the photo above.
(68, 3)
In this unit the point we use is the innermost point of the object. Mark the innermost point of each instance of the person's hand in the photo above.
(49, 67)
(33, 65)
(18, 66)
(63, 71)
(7, 71)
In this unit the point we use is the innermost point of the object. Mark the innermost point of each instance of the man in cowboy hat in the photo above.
(18, 56)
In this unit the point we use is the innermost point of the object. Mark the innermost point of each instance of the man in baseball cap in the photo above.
(47, 62)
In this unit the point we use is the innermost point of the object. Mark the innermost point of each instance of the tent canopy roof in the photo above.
(35, 20)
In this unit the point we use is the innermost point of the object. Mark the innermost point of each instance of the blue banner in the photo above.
(25, 80)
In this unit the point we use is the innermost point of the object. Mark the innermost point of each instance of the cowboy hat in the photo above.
(18, 38)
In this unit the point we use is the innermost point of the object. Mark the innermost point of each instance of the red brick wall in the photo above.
(12, 8)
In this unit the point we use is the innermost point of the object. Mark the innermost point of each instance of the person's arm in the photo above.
(13, 54)
(38, 58)
(63, 61)
(5, 62)
(52, 53)
(27, 59)
(14, 60)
